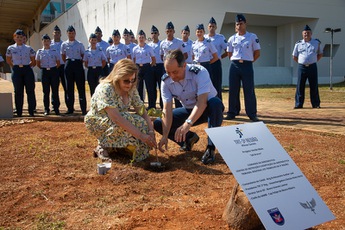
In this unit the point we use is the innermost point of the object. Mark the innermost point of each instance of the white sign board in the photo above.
(281, 195)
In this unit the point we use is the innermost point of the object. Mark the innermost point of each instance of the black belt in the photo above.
(94, 67)
(203, 63)
(241, 61)
(142, 65)
(21, 66)
(72, 59)
(50, 68)
(307, 65)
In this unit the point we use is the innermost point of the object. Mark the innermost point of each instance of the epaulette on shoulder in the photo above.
(100, 48)
(194, 69)
(299, 41)
(183, 45)
(165, 76)
(208, 40)
(317, 40)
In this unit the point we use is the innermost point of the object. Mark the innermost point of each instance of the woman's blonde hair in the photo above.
(122, 69)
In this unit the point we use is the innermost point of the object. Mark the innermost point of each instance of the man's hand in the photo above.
(180, 134)
(163, 142)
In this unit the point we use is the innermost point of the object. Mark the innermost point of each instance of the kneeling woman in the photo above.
(109, 118)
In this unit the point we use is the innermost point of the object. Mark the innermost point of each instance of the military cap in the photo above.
(92, 35)
(200, 27)
(56, 28)
(212, 21)
(141, 32)
(70, 29)
(116, 33)
(169, 25)
(240, 18)
(19, 32)
(131, 33)
(306, 28)
(125, 31)
(110, 40)
(186, 28)
(45, 36)
(154, 29)
(98, 30)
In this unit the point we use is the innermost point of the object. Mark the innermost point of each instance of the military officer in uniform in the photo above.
(21, 58)
(191, 84)
(103, 45)
(144, 57)
(72, 52)
(110, 41)
(243, 49)
(187, 44)
(219, 41)
(56, 44)
(48, 60)
(171, 43)
(204, 52)
(117, 51)
(158, 69)
(306, 53)
(94, 60)
(128, 41)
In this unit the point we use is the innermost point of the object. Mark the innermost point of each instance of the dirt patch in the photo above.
(49, 181)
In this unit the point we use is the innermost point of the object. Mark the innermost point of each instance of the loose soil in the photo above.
(49, 180)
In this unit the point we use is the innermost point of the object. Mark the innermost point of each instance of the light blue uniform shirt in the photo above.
(131, 46)
(156, 50)
(219, 41)
(307, 52)
(188, 89)
(20, 54)
(73, 50)
(142, 55)
(114, 53)
(242, 47)
(203, 50)
(48, 57)
(95, 57)
(187, 48)
(57, 46)
(103, 45)
(166, 45)
(1, 58)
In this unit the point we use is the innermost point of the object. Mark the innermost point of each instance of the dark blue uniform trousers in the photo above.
(74, 73)
(24, 76)
(145, 74)
(157, 73)
(93, 76)
(310, 73)
(217, 76)
(213, 114)
(241, 72)
(61, 73)
(50, 79)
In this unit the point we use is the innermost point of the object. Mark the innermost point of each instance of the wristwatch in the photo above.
(189, 122)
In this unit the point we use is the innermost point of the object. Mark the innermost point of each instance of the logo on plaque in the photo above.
(276, 216)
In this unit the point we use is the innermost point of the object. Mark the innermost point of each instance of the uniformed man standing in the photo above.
(110, 41)
(21, 58)
(72, 52)
(56, 44)
(306, 53)
(144, 57)
(171, 43)
(243, 49)
(204, 52)
(127, 37)
(191, 84)
(94, 60)
(117, 51)
(103, 45)
(48, 60)
(219, 41)
(158, 69)
(187, 44)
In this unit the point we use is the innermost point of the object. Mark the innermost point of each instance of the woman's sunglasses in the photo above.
(127, 81)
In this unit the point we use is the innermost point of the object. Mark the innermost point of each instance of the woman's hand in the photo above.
(150, 140)
(163, 142)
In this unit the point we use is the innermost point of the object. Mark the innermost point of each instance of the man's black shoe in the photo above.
(188, 144)
(208, 157)
(298, 107)
(316, 107)
(57, 112)
(69, 112)
(46, 113)
(229, 117)
(254, 119)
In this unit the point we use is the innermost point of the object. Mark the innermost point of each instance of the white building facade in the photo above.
(277, 23)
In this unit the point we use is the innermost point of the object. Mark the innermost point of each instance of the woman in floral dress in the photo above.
(109, 118)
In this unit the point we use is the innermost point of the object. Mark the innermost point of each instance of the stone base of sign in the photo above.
(6, 106)
(239, 213)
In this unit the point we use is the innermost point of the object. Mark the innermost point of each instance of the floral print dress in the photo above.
(108, 133)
